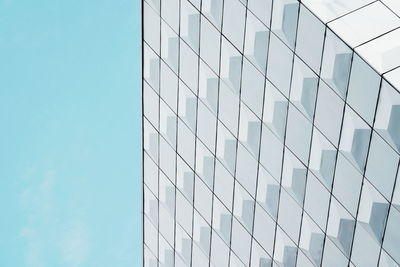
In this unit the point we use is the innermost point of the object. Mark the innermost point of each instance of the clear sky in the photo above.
(70, 133)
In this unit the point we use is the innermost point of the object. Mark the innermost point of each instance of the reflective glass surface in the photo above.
(271, 133)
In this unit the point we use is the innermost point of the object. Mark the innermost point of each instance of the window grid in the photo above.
(237, 141)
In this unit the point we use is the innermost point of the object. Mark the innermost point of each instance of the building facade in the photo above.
(271, 133)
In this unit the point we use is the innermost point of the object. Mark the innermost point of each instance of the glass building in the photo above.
(271, 133)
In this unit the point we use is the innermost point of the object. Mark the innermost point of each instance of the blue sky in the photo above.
(70, 133)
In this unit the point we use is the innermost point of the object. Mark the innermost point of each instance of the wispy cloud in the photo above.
(42, 227)
(33, 256)
(6, 2)
(75, 245)
(36, 202)
(36, 198)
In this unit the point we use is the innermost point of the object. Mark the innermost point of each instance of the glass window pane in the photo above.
(298, 135)
(294, 177)
(206, 126)
(219, 252)
(165, 229)
(169, 87)
(168, 123)
(264, 229)
(212, 9)
(289, 217)
(208, 87)
(284, 20)
(170, 13)
(336, 63)
(241, 241)
(183, 245)
(396, 193)
(187, 106)
(246, 169)
(388, 115)
(149, 259)
(196, 3)
(268, 192)
(262, 9)
(151, 34)
(347, 184)
(167, 159)
(275, 110)
(329, 113)
(186, 143)
(155, 4)
(252, 92)
(382, 173)
(223, 187)
(256, 43)
(259, 257)
(386, 260)
(235, 261)
(184, 178)
(322, 158)
(316, 201)
(150, 140)
(312, 240)
(392, 235)
(249, 130)
(303, 260)
(150, 174)
(231, 65)
(184, 210)
(150, 236)
(340, 228)
(310, 39)
(210, 44)
(190, 25)
(201, 235)
(354, 140)
(151, 104)
(202, 199)
(167, 194)
(365, 249)
(205, 164)
(226, 148)
(151, 67)
(228, 112)
(372, 212)
(169, 46)
(234, 21)
(188, 66)
(150, 205)
(304, 88)
(243, 207)
(363, 89)
(199, 258)
(280, 60)
(271, 152)
(285, 250)
(222, 219)
(332, 256)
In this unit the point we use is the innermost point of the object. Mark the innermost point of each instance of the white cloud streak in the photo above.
(42, 230)
(75, 245)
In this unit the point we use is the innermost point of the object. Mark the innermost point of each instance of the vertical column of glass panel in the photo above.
(151, 121)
